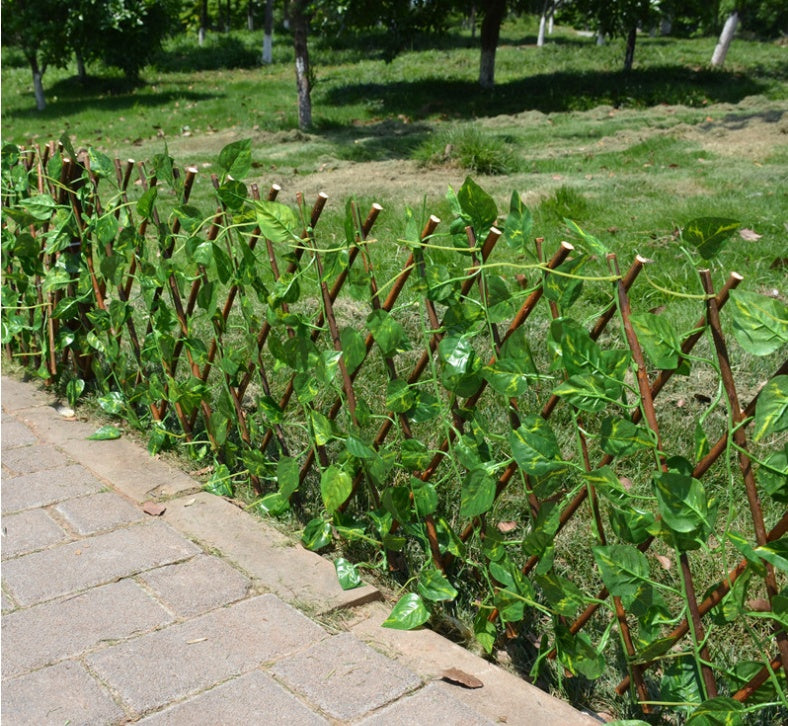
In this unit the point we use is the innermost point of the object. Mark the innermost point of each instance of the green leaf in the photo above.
(624, 570)
(425, 496)
(387, 332)
(775, 553)
(771, 409)
(347, 574)
(578, 653)
(682, 502)
(720, 711)
(335, 487)
(106, 433)
(478, 493)
(112, 403)
(74, 390)
(586, 392)
(619, 437)
(317, 534)
(409, 613)
(354, 349)
(773, 475)
(40, 206)
(287, 476)
(434, 586)
(588, 242)
(277, 222)
(233, 194)
(760, 323)
(681, 681)
(658, 338)
(220, 482)
(535, 448)
(479, 206)
(519, 222)
(236, 158)
(146, 202)
(707, 234)
(321, 427)
(100, 164)
(400, 397)
(510, 605)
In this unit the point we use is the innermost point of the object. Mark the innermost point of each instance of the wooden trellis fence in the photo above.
(237, 332)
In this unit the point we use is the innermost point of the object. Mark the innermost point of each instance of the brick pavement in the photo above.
(205, 615)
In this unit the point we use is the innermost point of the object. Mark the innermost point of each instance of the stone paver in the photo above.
(50, 632)
(98, 512)
(36, 456)
(41, 488)
(93, 561)
(31, 530)
(430, 705)
(345, 677)
(197, 585)
(246, 700)
(161, 667)
(61, 694)
(13, 433)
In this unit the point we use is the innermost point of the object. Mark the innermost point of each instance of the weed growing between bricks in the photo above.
(541, 462)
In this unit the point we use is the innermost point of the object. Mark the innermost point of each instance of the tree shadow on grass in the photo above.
(551, 92)
(71, 96)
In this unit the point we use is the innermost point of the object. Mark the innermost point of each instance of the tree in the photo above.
(614, 18)
(299, 21)
(268, 33)
(36, 27)
(494, 12)
(728, 31)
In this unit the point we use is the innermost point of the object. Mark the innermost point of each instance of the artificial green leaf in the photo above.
(347, 574)
(335, 487)
(400, 397)
(112, 403)
(40, 206)
(484, 631)
(773, 475)
(591, 244)
(479, 206)
(624, 570)
(146, 202)
(682, 502)
(535, 448)
(233, 194)
(720, 711)
(189, 216)
(630, 523)
(287, 476)
(434, 586)
(100, 164)
(415, 454)
(577, 653)
(771, 409)
(353, 348)
(277, 222)
(317, 534)
(561, 594)
(220, 482)
(106, 433)
(619, 437)
(74, 390)
(478, 493)
(658, 338)
(564, 288)
(775, 553)
(425, 496)
(409, 613)
(519, 222)
(236, 158)
(356, 447)
(707, 234)
(760, 323)
(388, 333)
(681, 682)
(586, 392)
(510, 605)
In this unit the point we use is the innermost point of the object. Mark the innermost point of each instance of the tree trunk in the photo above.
(249, 16)
(629, 57)
(300, 24)
(547, 11)
(718, 58)
(268, 33)
(494, 10)
(82, 74)
(38, 84)
(203, 21)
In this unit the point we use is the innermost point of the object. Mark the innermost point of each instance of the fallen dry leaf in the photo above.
(625, 482)
(506, 527)
(666, 562)
(455, 675)
(154, 509)
(759, 605)
(749, 235)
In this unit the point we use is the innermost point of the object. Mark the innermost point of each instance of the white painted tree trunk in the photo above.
(268, 49)
(268, 33)
(540, 37)
(728, 31)
(487, 68)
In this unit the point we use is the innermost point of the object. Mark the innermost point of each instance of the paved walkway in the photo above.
(200, 615)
